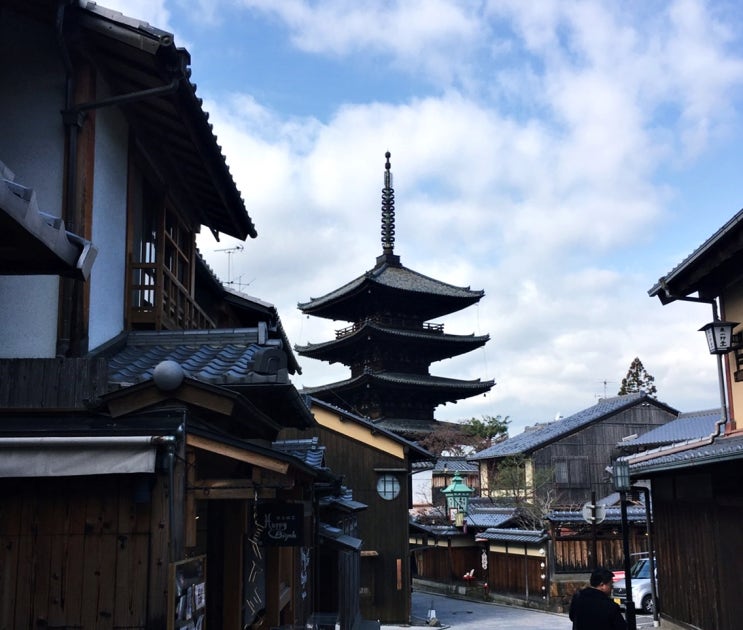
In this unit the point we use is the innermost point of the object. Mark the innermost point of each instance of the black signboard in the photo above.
(282, 523)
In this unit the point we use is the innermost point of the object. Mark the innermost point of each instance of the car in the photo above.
(642, 594)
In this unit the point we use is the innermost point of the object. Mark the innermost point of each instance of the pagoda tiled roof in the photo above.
(439, 344)
(445, 386)
(397, 278)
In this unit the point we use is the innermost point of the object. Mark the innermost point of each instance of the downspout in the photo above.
(724, 416)
(65, 333)
(170, 458)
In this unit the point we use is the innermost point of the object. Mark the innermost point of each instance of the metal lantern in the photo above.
(622, 481)
(719, 336)
(457, 495)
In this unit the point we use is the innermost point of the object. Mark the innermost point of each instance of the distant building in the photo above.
(570, 456)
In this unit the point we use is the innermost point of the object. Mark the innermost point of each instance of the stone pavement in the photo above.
(463, 614)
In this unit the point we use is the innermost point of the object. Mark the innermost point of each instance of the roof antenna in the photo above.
(388, 216)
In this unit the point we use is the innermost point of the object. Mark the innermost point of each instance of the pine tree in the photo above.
(638, 380)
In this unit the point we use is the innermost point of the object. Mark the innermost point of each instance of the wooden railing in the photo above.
(389, 321)
(158, 299)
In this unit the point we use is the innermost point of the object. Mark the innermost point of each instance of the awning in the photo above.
(73, 456)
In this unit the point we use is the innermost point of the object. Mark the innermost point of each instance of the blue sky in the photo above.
(560, 155)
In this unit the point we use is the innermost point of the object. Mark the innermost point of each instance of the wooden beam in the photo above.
(190, 533)
(240, 454)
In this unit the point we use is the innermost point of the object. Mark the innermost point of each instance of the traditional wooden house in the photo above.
(697, 484)
(378, 465)
(391, 343)
(568, 457)
(139, 400)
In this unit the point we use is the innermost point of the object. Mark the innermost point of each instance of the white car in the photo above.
(642, 595)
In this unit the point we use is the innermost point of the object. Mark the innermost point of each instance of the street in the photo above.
(462, 614)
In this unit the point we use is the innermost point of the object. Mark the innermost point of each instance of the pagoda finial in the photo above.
(388, 210)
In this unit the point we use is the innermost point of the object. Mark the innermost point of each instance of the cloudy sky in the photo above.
(559, 155)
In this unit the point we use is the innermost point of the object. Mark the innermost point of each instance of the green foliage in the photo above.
(638, 380)
(487, 429)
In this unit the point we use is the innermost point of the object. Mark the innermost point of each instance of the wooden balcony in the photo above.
(158, 300)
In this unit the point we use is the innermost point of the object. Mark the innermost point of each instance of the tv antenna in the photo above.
(605, 382)
(229, 251)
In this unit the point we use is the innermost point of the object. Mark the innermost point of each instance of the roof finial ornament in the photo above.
(388, 210)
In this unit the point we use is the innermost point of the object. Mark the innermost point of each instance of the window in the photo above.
(571, 472)
(162, 250)
(388, 487)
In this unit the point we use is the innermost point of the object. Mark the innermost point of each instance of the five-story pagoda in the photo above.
(391, 342)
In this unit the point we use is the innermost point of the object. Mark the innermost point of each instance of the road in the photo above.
(461, 614)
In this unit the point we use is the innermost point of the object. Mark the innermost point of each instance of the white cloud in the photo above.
(530, 184)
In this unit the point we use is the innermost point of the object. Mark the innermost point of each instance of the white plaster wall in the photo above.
(32, 146)
(107, 280)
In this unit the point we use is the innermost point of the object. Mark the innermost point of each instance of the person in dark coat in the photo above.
(592, 608)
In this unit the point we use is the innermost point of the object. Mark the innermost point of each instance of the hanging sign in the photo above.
(282, 523)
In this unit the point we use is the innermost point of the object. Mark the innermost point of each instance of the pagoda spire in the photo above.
(388, 217)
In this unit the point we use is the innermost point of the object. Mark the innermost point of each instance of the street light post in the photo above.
(457, 495)
(623, 484)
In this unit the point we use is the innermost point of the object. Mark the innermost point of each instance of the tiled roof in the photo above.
(490, 517)
(697, 256)
(35, 242)
(635, 514)
(454, 464)
(421, 334)
(437, 383)
(219, 356)
(308, 450)
(532, 439)
(725, 448)
(133, 55)
(514, 535)
(688, 426)
(395, 277)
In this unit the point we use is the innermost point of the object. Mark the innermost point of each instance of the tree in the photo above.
(638, 380)
(514, 479)
(473, 435)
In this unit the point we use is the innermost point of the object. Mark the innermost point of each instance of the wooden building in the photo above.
(697, 483)
(139, 400)
(568, 457)
(391, 342)
(377, 464)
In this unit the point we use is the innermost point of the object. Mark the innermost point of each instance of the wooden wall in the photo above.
(446, 564)
(51, 383)
(573, 554)
(383, 526)
(517, 573)
(698, 515)
(80, 552)
(593, 448)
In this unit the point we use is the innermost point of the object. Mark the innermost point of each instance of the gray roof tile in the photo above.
(726, 448)
(396, 277)
(514, 535)
(219, 357)
(532, 439)
(688, 426)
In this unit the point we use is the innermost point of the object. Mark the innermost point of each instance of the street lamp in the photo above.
(623, 484)
(457, 495)
(719, 336)
(720, 341)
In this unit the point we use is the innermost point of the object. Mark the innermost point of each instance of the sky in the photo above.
(561, 156)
